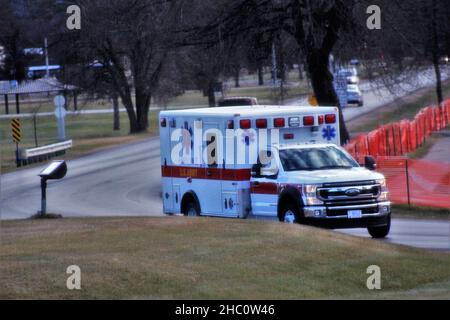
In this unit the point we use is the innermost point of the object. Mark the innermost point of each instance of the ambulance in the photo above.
(282, 162)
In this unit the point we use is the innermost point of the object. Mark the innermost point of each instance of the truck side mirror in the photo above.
(256, 170)
(370, 163)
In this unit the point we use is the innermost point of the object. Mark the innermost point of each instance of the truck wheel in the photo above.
(191, 210)
(380, 232)
(290, 214)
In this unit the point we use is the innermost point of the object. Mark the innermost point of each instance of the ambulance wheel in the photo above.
(290, 214)
(191, 209)
(380, 232)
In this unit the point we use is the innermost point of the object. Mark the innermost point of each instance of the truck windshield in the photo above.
(326, 158)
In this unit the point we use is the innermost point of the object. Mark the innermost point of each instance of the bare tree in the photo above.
(314, 25)
(12, 39)
(414, 36)
(132, 40)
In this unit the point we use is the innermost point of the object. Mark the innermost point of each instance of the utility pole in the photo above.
(47, 73)
(274, 65)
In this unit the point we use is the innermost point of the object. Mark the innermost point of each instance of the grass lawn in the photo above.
(180, 258)
(89, 132)
(417, 212)
(402, 108)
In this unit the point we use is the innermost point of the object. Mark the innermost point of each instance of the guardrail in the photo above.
(35, 155)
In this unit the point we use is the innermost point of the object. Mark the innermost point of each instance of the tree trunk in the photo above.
(143, 99)
(115, 101)
(261, 75)
(437, 70)
(435, 49)
(281, 61)
(301, 77)
(211, 95)
(322, 83)
(134, 126)
(237, 75)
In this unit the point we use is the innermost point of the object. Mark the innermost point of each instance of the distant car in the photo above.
(238, 102)
(350, 74)
(355, 62)
(354, 95)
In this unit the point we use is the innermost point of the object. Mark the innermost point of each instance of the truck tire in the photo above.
(380, 232)
(191, 209)
(290, 214)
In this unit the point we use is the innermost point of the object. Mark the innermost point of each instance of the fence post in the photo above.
(407, 183)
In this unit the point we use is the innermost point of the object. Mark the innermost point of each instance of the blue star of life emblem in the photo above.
(329, 133)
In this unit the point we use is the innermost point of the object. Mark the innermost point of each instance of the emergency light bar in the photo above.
(279, 123)
(330, 118)
(246, 124)
(308, 121)
(261, 123)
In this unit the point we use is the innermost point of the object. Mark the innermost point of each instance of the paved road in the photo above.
(378, 94)
(121, 181)
(125, 181)
(440, 151)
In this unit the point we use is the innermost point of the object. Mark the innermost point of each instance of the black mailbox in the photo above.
(55, 171)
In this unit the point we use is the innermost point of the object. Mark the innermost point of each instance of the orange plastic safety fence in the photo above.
(417, 182)
(410, 181)
(400, 138)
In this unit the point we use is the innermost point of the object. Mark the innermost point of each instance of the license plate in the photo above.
(355, 214)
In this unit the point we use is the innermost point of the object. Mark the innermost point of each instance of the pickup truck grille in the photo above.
(339, 198)
(349, 192)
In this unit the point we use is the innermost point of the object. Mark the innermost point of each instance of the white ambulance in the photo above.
(269, 161)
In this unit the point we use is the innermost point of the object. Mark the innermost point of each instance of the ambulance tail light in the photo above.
(246, 124)
(230, 124)
(261, 123)
(279, 123)
(163, 122)
(321, 120)
(308, 121)
(288, 136)
(330, 118)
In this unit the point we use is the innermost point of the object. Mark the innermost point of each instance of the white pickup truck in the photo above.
(270, 161)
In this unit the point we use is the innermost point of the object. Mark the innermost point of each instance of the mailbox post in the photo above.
(55, 171)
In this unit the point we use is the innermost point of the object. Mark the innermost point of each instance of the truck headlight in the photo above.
(384, 192)
(310, 195)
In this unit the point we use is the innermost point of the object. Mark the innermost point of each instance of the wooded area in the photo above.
(140, 51)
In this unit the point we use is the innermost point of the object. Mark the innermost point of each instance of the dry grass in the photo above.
(89, 133)
(166, 258)
(418, 212)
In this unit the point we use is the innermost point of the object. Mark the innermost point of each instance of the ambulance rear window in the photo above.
(326, 158)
